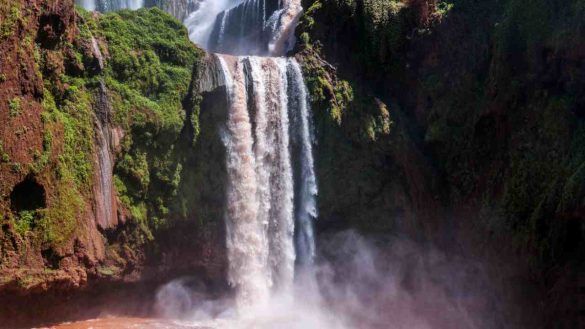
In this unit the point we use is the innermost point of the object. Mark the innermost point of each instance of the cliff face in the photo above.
(100, 156)
(486, 146)
(34, 194)
(445, 121)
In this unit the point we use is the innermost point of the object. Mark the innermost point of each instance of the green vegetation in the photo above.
(11, 16)
(16, 167)
(4, 157)
(345, 103)
(107, 270)
(443, 8)
(149, 75)
(150, 68)
(25, 221)
(15, 107)
(58, 222)
(72, 120)
(75, 117)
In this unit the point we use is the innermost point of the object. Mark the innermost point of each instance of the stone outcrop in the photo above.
(103, 171)
(486, 97)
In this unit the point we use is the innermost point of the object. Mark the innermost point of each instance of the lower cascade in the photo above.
(271, 179)
(267, 108)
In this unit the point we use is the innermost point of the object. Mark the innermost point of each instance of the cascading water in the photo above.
(248, 27)
(306, 206)
(110, 5)
(269, 90)
(268, 113)
(246, 239)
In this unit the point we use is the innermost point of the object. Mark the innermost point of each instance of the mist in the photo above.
(361, 282)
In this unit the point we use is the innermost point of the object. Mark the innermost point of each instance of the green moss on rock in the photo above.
(11, 10)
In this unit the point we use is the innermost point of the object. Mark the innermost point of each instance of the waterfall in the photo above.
(110, 5)
(260, 215)
(271, 190)
(269, 112)
(245, 27)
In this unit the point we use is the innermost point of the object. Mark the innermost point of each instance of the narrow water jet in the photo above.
(306, 211)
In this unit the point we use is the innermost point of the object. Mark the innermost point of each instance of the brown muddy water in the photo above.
(125, 323)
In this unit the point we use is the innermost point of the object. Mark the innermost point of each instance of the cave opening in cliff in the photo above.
(28, 195)
(51, 28)
(51, 258)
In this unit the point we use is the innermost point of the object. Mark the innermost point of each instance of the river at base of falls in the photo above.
(124, 323)
(131, 323)
(142, 323)
(282, 313)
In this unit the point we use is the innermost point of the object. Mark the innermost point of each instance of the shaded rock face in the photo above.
(487, 103)
(372, 175)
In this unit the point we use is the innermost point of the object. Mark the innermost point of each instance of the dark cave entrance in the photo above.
(51, 29)
(27, 195)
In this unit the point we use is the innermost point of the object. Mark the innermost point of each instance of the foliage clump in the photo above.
(15, 106)
(149, 75)
(11, 12)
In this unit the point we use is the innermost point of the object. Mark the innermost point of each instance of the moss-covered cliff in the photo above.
(84, 95)
(487, 93)
(454, 122)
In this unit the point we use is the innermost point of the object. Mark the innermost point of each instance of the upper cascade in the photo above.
(110, 5)
(234, 27)
(248, 27)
